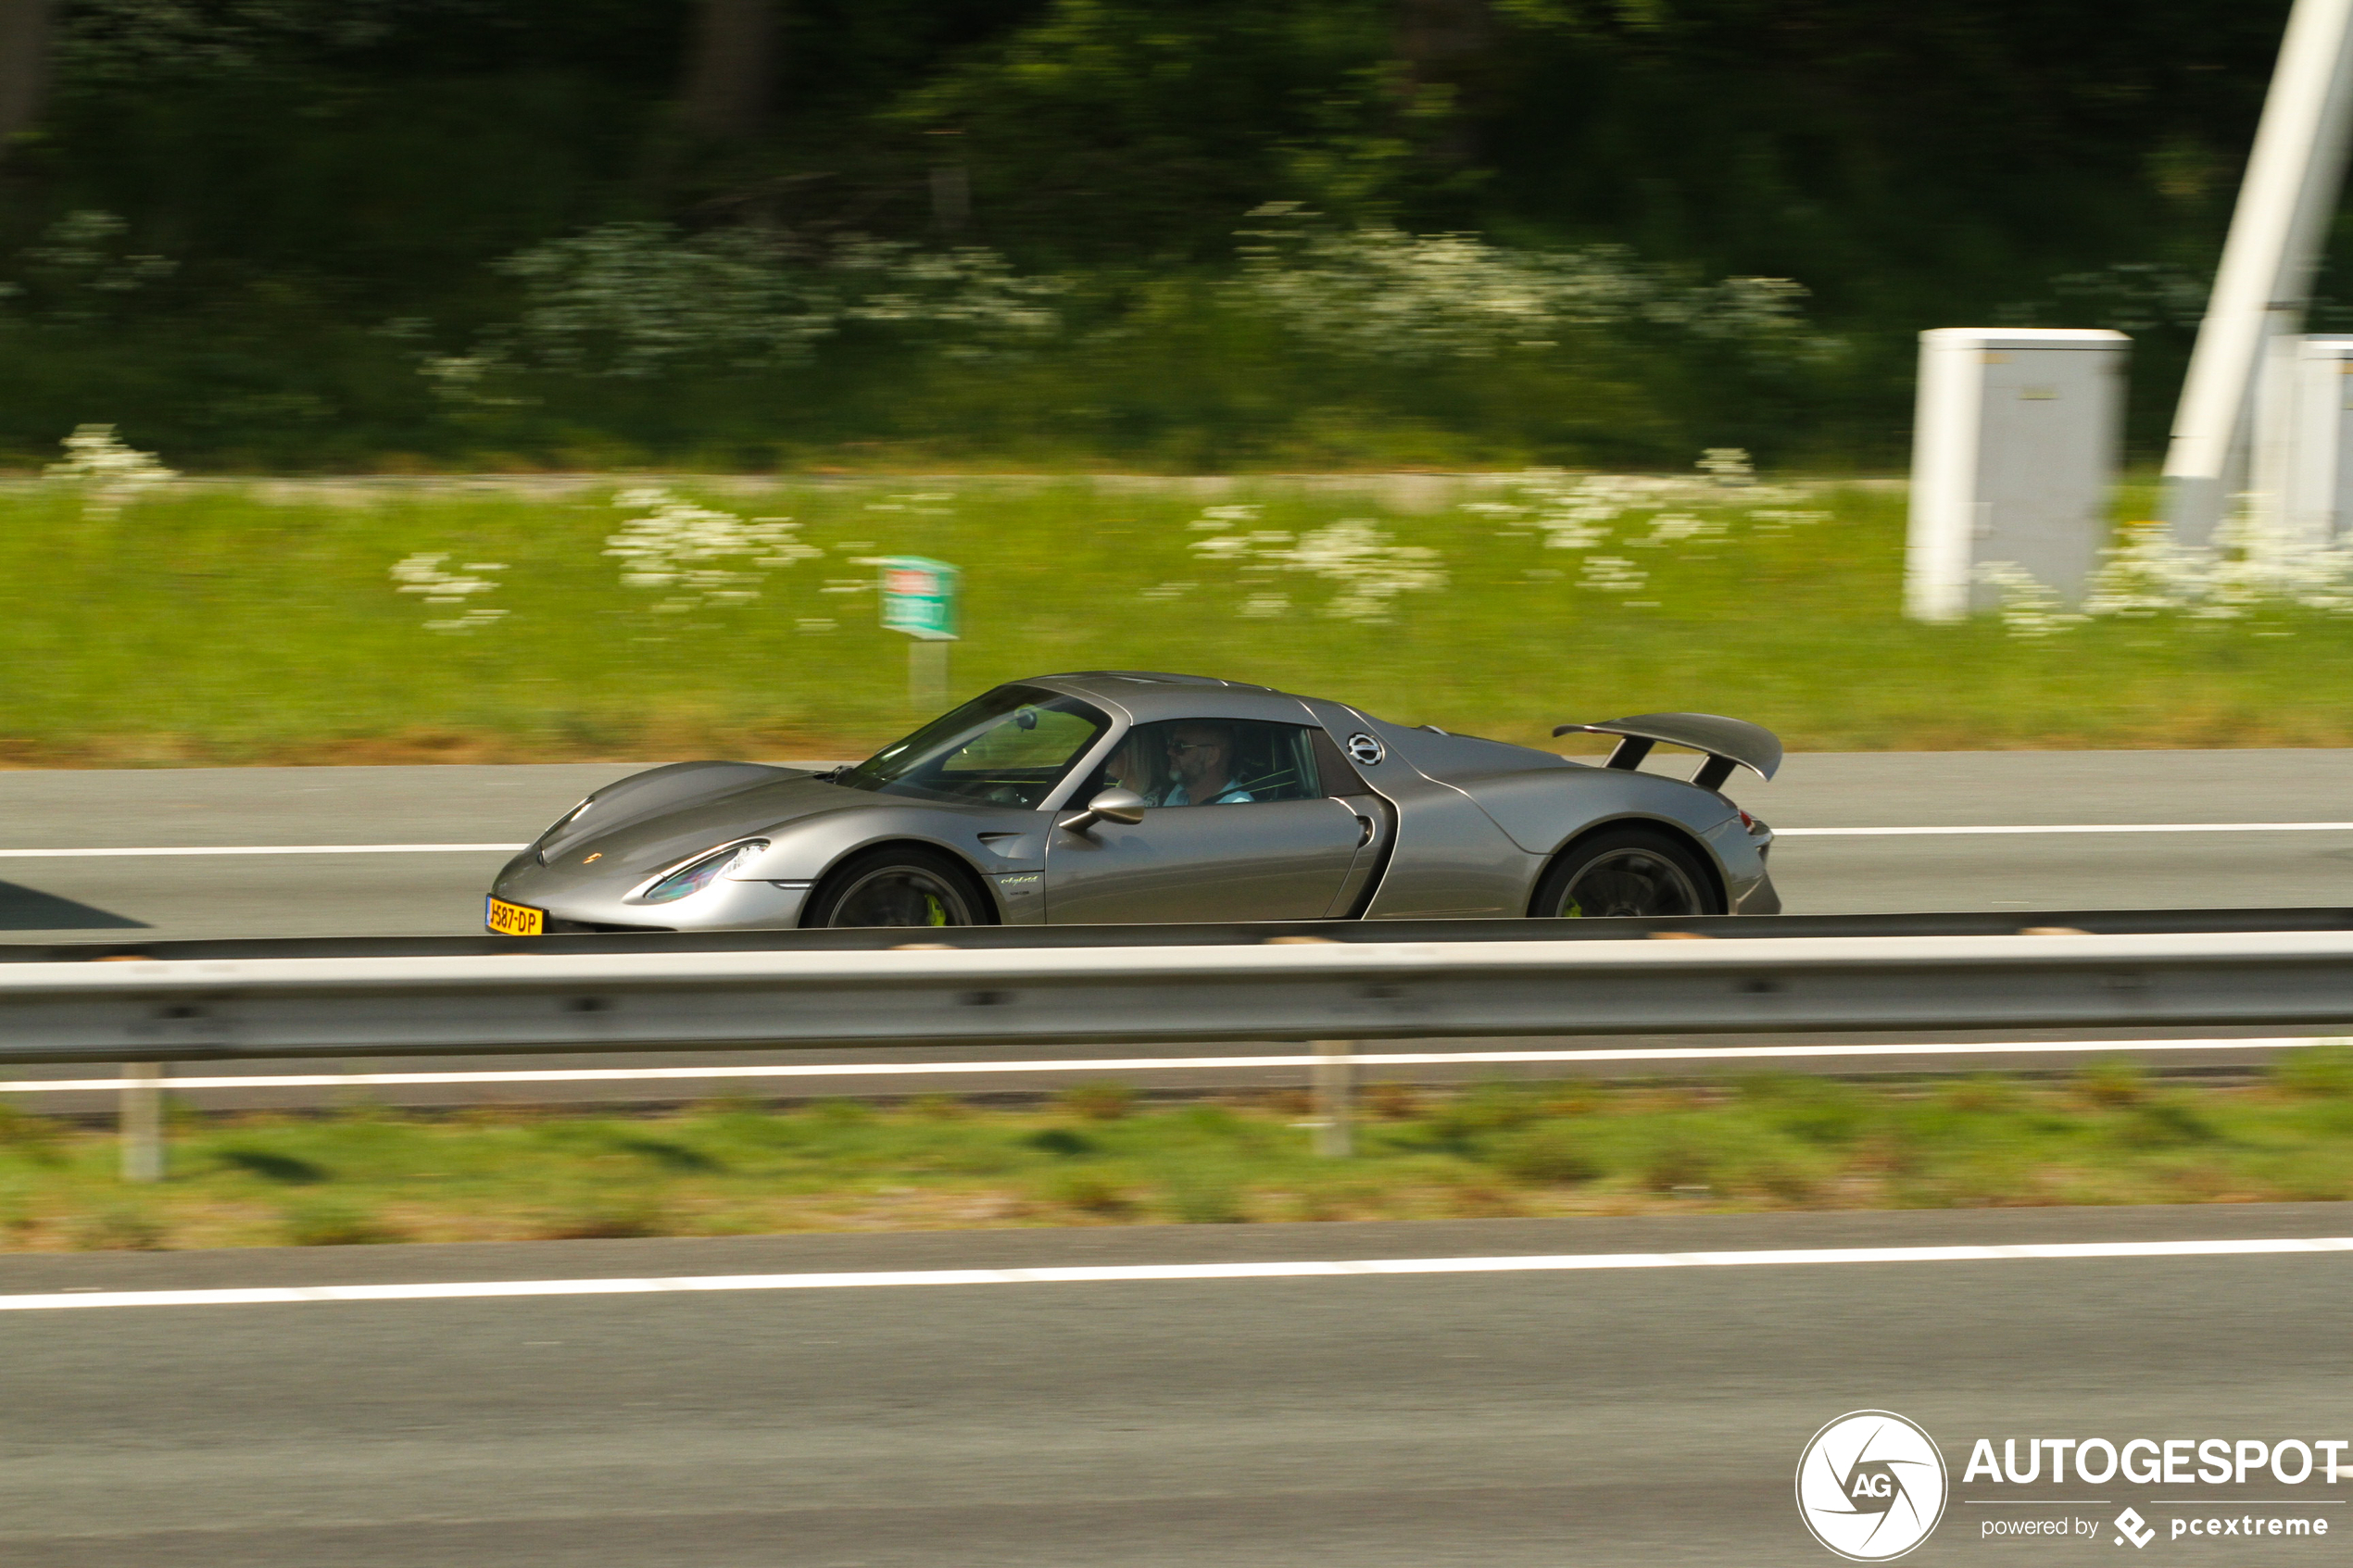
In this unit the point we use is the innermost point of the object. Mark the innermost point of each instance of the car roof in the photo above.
(1147, 694)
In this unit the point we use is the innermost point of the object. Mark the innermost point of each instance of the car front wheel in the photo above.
(1626, 872)
(895, 887)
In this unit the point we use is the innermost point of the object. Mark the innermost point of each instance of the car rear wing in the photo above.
(1730, 743)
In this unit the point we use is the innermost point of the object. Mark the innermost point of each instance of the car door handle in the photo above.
(1367, 836)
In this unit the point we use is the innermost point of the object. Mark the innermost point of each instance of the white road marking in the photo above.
(2071, 827)
(1781, 832)
(1150, 1064)
(1116, 1274)
(266, 849)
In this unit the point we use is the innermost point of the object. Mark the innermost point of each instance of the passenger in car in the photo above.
(1201, 756)
(1133, 767)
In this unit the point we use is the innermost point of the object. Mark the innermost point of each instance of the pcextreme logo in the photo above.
(1870, 1485)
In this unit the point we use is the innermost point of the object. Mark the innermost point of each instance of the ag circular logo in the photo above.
(1366, 749)
(1870, 1485)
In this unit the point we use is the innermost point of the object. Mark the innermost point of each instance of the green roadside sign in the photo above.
(919, 597)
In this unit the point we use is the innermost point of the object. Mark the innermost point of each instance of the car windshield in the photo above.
(1005, 748)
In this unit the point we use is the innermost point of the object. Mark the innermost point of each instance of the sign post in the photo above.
(919, 598)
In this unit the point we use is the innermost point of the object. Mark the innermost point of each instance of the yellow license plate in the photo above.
(514, 920)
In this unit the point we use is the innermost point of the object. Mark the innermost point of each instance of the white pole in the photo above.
(928, 675)
(2289, 193)
(142, 1120)
(1335, 1095)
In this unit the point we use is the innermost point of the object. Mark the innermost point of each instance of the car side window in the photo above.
(1214, 762)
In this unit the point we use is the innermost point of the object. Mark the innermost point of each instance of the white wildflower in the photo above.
(638, 299)
(702, 556)
(1675, 528)
(1728, 466)
(1371, 571)
(2147, 574)
(1581, 511)
(1612, 574)
(2031, 609)
(111, 474)
(424, 575)
(1771, 521)
(1378, 293)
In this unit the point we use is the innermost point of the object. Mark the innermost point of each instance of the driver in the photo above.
(1201, 756)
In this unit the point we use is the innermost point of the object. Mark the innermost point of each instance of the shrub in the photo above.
(1980, 1093)
(1202, 1197)
(1476, 1201)
(598, 1214)
(1547, 1156)
(1489, 1108)
(270, 1165)
(1785, 1179)
(1087, 1191)
(938, 1108)
(1098, 1102)
(667, 1153)
(1209, 1121)
(1822, 1113)
(1676, 1160)
(1060, 1140)
(336, 1223)
(2318, 1071)
(1574, 1096)
(2164, 1124)
(119, 1228)
(34, 1136)
(2111, 1083)
(1392, 1101)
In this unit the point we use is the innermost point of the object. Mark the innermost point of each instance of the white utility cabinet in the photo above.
(2013, 450)
(2314, 472)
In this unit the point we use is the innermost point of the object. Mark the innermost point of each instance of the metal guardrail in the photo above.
(2106, 922)
(1329, 984)
(163, 1010)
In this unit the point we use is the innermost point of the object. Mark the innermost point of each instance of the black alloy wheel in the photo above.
(897, 886)
(1626, 872)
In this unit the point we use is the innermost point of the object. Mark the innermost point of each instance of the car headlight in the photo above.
(693, 878)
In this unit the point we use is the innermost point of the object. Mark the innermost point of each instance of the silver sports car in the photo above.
(1122, 795)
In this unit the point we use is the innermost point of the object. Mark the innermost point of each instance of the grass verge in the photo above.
(260, 623)
(2105, 1136)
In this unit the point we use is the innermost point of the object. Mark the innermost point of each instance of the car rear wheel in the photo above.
(1626, 872)
(897, 887)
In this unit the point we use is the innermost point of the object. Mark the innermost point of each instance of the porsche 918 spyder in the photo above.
(1120, 797)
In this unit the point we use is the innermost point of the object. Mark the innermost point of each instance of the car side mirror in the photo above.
(1109, 806)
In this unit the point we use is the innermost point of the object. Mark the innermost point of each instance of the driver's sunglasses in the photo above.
(1176, 746)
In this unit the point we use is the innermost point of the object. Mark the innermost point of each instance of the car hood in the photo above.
(625, 850)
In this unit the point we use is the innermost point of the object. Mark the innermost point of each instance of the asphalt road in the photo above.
(439, 891)
(1625, 1417)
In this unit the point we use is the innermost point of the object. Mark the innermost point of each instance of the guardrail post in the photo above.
(1335, 1095)
(141, 1118)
